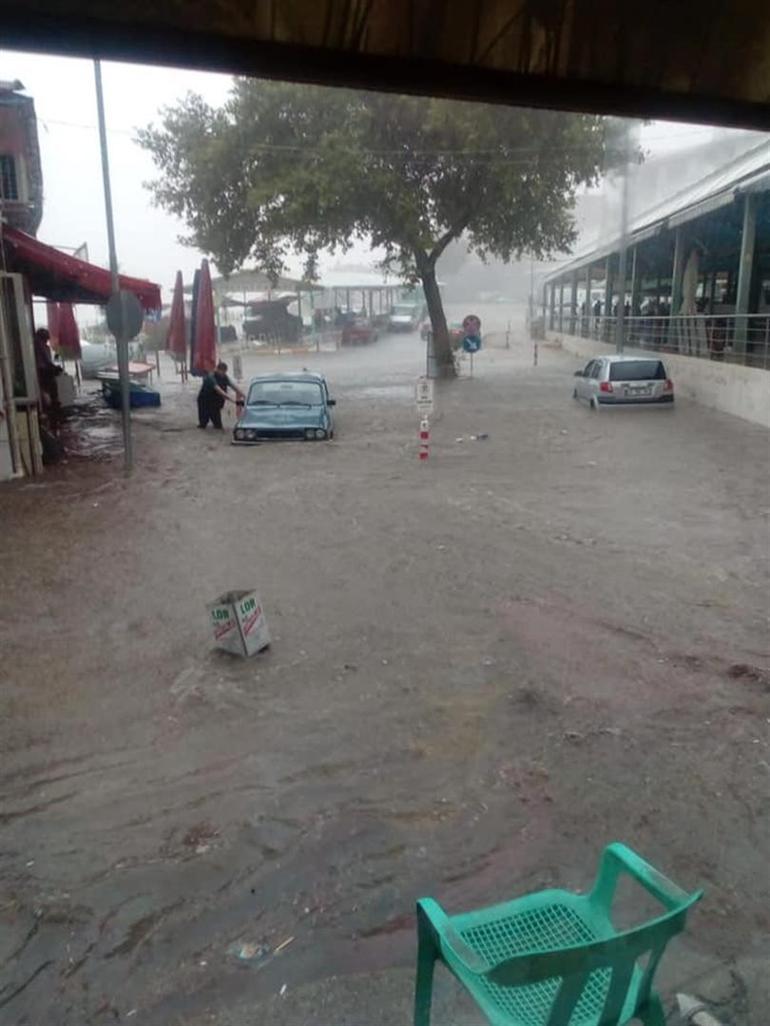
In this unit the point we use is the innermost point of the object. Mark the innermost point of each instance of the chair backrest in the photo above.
(575, 966)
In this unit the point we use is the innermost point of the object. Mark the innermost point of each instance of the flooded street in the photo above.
(483, 670)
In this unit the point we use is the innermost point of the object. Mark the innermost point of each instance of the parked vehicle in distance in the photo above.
(358, 331)
(405, 316)
(286, 407)
(621, 380)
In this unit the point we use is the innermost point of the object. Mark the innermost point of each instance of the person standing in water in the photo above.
(213, 396)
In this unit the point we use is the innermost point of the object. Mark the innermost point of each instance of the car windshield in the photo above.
(637, 370)
(403, 311)
(285, 393)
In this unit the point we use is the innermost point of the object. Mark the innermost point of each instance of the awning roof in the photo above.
(56, 275)
(749, 172)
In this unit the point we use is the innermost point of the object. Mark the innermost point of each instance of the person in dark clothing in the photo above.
(47, 373)
(213, 395)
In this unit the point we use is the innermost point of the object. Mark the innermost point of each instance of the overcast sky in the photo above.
(63, 90)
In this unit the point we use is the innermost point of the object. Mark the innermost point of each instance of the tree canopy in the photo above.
(283, 167)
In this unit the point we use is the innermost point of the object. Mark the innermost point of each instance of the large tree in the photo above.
(283, 167)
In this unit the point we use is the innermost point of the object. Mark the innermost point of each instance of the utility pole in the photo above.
(121, 339)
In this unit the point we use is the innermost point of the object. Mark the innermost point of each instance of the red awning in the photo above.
(55, 275)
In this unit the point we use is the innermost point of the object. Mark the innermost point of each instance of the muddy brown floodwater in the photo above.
(483, 669)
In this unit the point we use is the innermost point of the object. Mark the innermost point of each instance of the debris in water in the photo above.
(283, 944)
(283, 990)
(694, 1012)
(257, 954)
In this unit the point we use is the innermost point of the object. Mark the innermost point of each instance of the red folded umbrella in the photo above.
(176, 339)
(69, 335)
(204, 342)
(52, 316)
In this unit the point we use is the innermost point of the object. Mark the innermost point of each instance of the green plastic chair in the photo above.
(554, 958)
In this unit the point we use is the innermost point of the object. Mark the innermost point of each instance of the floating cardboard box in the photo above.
(239, 624)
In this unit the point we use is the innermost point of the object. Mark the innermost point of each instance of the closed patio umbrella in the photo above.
(176, 339)
(203, 340)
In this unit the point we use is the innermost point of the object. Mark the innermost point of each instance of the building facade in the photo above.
(21, 174)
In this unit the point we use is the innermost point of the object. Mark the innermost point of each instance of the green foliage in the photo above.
(284, 167)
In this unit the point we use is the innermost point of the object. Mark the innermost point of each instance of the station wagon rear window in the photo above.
(637, 370)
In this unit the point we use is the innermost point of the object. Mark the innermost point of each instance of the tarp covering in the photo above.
(69, 336)
(56, 275)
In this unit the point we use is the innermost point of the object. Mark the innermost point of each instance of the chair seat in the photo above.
(538, 923)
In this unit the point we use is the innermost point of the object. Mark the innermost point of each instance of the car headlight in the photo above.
(309, 434)
(240, 434)
(320, 433)
(251, 434)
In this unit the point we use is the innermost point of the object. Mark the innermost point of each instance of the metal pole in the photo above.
(122, 342)
(745, 268)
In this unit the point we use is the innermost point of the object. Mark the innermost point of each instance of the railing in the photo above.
(733, 338)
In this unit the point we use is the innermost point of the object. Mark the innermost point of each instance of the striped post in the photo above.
(424, 439)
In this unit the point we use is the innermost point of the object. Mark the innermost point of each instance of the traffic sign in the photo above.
(424, 396)
(472, 328)
(124, 315)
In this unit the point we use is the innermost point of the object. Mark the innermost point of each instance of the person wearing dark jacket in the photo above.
(213, 395)
(47, 373)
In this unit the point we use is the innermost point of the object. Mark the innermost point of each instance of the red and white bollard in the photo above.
(424, 439)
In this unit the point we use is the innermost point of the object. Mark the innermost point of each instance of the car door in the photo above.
(582, 382)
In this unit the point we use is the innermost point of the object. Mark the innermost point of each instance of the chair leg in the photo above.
(652, 1014)
(423, 987)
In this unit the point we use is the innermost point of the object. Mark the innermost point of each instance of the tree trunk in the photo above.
(442, 347)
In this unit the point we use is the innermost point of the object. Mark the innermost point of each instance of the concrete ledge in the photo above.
(742, 391)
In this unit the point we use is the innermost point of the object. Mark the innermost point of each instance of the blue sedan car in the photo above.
(286, 406)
